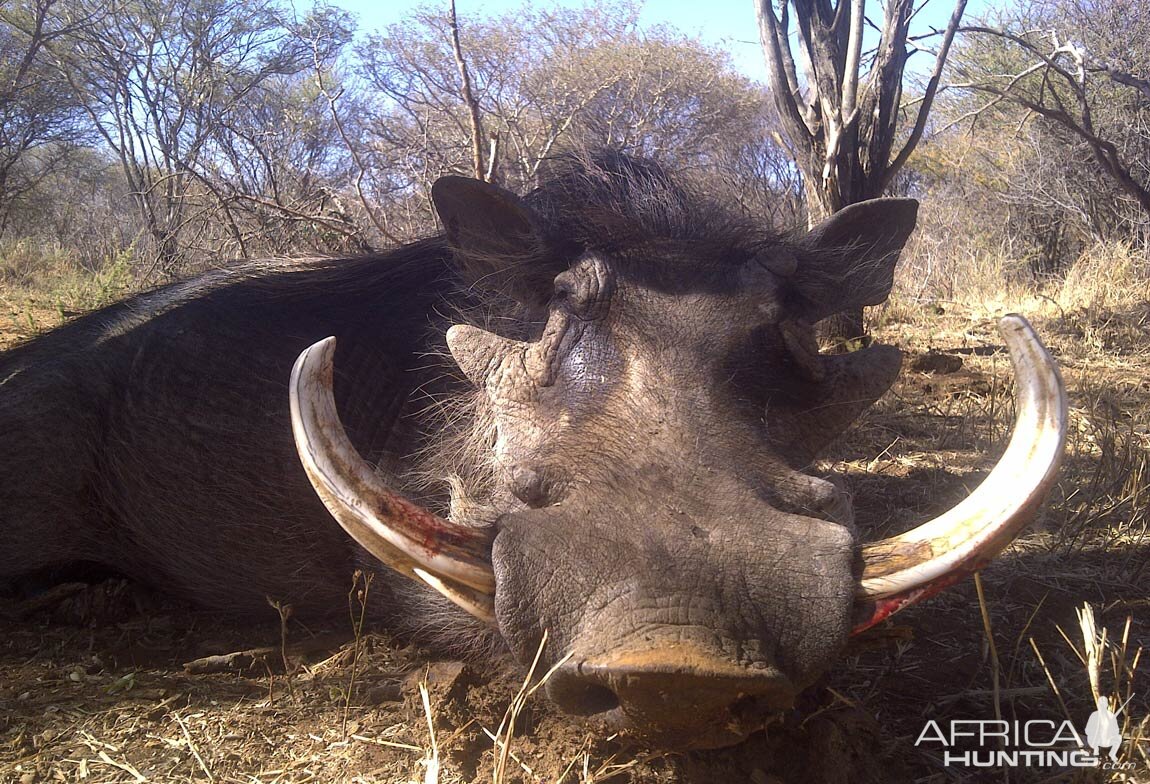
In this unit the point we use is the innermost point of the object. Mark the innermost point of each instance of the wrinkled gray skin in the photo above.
(640, 455)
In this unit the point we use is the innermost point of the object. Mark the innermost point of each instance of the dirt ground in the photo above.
(95, 687)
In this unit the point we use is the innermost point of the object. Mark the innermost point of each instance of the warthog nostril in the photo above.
(579, 696)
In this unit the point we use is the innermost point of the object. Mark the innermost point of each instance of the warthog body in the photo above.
(638, 460)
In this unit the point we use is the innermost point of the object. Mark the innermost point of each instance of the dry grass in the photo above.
(1057, 621)
(43, 285)
(1106, 278)
(1091, 545)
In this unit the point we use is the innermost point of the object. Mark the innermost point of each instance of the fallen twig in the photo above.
(239, 661)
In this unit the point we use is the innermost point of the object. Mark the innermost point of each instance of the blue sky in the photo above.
(729, 24)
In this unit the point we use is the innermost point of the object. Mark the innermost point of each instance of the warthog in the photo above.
(587, 413)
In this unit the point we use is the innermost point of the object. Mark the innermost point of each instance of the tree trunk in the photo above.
(841, 132)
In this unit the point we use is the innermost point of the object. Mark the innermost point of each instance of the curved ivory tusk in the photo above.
(401, 534)
(911, 566)
(479, 604)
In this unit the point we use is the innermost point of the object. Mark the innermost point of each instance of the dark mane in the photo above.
(634, 210)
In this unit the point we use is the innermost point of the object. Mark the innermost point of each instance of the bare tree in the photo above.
(162, 83)
(839, 106)
(1062, 81)
(541, 82)
(40, 120)
(280, 155)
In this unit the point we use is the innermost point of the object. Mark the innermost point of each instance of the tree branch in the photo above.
(468, 99)
(854, 51)
(1105, 152)
(928, 97)
(786, 95)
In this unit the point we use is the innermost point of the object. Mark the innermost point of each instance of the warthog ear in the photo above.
(848, 260)
(497, 238)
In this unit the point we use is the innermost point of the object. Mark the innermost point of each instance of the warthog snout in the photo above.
(679, 695)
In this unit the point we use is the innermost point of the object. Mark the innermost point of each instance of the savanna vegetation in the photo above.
(142, 141)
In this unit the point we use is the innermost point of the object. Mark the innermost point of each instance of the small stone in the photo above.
(446, 680)
(385, 692)
(438, 676)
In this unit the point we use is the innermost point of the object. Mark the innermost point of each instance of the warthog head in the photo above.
(647, 415)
